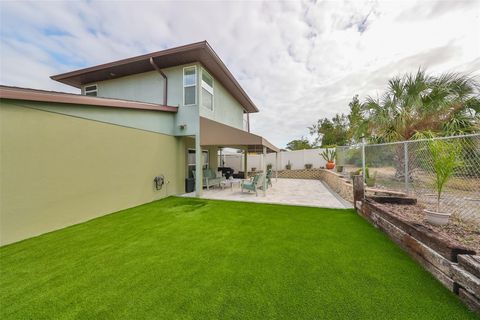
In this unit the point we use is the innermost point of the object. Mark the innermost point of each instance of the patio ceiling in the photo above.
(213, 133)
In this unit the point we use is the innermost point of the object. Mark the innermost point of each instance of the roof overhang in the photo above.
(213, 133)
(26, 94)
(195, 52)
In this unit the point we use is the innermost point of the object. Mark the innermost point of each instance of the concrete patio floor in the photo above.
(301, 192)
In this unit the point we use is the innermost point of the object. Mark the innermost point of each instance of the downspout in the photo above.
(248, 122)
(165, 87)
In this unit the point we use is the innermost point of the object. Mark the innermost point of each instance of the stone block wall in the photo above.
(335, 181)
(315, 174)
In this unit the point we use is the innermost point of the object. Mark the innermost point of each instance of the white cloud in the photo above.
(298, 61)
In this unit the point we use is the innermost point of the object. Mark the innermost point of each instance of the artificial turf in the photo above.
(181, 258)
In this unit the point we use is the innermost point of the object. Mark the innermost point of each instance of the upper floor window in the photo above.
(189, 85)
(207, 90)
(246, 125)
(91, 90)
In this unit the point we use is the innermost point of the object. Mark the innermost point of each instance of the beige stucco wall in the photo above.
(57, 170)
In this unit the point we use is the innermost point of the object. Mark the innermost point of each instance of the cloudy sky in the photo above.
(298, 61)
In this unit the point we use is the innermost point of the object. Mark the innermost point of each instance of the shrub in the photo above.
(288, 166)
(445, 159)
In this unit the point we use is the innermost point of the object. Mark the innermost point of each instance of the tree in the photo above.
(356, 121)
(330, 132)
(299, 144)
(417, 103)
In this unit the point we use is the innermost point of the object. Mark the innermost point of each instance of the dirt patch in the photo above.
(460, 232)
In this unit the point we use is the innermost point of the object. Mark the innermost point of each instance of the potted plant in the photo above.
(269, 166)
(339, 159)
(308, 166)
(370, 179)
(444, 161)
(288, 166)
(329, 155)
(355, 173)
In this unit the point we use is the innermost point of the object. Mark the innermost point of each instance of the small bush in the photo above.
(288, 166)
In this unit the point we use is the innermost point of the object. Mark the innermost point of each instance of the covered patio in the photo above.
(304, 192)
(214, 135)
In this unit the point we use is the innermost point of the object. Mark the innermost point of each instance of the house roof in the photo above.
(196, 52)
(213, 133)
(27, 94)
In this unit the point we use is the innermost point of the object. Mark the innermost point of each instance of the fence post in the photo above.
(363, 160)
(405, 155)
(358, 191)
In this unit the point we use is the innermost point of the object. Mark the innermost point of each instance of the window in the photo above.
(91, 90)
(189, 86)
(191, 161)
(207, 90)
(245, 122)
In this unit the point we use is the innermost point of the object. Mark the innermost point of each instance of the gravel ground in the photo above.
(458, 231)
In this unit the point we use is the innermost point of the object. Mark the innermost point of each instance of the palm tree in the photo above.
(417, 104)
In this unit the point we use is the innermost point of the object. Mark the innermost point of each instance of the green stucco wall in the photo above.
(57, 170)
(226, 108)
(148, 87)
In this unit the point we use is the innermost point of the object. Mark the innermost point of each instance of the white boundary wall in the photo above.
(297, 159)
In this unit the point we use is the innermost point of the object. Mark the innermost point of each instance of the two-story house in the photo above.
(67, 158)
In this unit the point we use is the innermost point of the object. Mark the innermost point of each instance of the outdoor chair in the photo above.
(210, 178)
(269, 178)
(253, 184)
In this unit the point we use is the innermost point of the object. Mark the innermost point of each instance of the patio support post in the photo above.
(245, 157)
(198, 167)
(264, 168)
(276, 166)
(363, 160)
(405, 154)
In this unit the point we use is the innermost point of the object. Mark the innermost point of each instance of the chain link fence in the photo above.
(411, 167)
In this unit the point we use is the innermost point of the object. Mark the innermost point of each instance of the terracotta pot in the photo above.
(330, 165)
(437, 218)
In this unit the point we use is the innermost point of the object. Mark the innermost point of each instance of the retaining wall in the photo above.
(335, 181)
(456, 267)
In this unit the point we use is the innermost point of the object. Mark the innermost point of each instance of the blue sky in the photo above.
(298, 60)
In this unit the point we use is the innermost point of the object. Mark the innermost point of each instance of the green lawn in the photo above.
(182, 258)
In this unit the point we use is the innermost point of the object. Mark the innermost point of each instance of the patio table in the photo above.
(230, 183)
